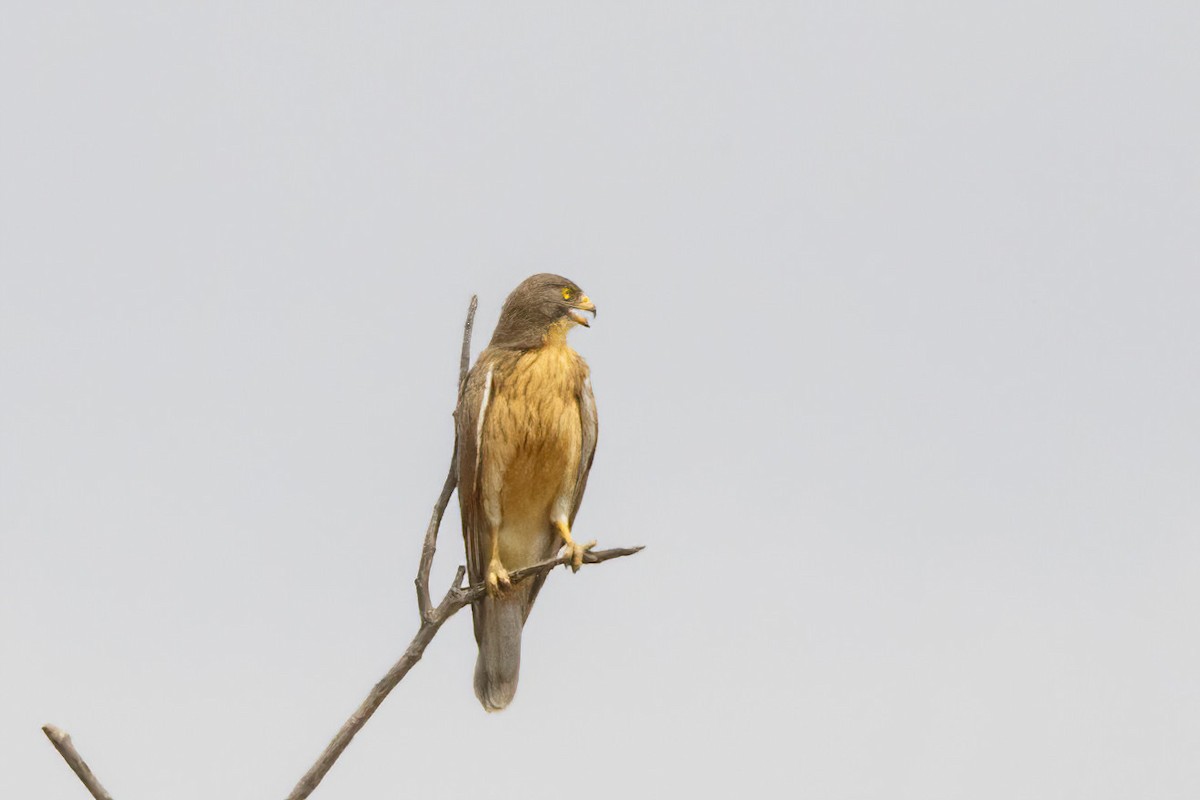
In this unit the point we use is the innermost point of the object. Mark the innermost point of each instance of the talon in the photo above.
(572, 550)
(497, 579)
(574, 554)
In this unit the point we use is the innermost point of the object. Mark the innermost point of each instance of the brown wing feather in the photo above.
(469, 418)
(591, 432)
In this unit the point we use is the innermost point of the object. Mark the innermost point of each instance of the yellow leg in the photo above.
(497, 576)
(574, 550)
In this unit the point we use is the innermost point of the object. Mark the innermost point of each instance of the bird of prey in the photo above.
(526, 425)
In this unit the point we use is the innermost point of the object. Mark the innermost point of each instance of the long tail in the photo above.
(499, 634)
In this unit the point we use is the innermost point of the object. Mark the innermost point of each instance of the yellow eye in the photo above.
(566, 293)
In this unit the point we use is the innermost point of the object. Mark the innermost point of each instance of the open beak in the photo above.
(584, 304)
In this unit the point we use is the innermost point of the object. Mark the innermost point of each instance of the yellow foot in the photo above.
(574, 552)
(497, 579)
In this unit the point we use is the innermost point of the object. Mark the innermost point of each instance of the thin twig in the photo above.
(439, 508)
(464, 359)
(473, 593)
(430, 546)
(62, 743)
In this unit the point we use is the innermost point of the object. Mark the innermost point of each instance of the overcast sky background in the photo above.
(897, 363)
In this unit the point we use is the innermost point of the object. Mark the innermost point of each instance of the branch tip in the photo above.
(62, 743)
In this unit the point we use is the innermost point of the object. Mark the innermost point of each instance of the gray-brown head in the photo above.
(540, 307)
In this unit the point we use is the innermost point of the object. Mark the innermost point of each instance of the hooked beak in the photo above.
(584, 304)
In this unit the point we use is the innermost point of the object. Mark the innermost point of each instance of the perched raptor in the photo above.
(526, 425)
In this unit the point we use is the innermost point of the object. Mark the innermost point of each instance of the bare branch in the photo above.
(416, 648)
(456, 598)
(424, 604)
(432, 619)
(430, 546)
(62, 743)
(465, 597)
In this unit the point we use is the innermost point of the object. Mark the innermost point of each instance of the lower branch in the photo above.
(456, 598)
(62, 743)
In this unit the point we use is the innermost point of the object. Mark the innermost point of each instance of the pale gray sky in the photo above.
(898, 369)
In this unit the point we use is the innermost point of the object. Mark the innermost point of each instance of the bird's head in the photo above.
(542, 307)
